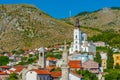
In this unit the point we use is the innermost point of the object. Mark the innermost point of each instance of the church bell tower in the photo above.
(42, 58)
(77, 37)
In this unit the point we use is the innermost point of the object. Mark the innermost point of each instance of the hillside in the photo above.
(25, 26)
(104, 19)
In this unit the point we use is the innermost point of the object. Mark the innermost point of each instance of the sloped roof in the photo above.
(56, 74)
(19, 68)
(7, 67)
(75, 64)
(41, 71)
(3, 73)
(51, 58)
(90, 64)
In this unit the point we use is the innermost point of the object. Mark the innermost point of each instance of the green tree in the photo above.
(87, 75)
(117, 66)
(13, 76)
(110, 60)
(4, 60)
(112, 74)
(98, 58)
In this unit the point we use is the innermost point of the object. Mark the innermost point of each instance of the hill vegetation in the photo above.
(25, 26)
(103, 19)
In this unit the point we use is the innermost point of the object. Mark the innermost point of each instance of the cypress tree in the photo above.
(110, 60)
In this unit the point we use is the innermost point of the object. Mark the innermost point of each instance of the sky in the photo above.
(66, 8)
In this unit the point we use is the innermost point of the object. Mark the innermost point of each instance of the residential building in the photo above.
(104, 60)
(91, 66)
(37, 74)
(116, 59)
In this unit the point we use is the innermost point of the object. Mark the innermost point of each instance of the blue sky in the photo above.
(61, 8)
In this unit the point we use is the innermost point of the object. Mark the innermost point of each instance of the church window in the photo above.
(76, 36)
(40, 54)
(76, 47)
(76, 41)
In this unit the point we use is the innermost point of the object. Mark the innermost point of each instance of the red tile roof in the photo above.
(18, 68)
(75, 64)
(56, 74)
(41, 71)
(51, 58)
(7, 67)
(3, 73)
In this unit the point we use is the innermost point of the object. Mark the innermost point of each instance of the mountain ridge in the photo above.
(25, 26)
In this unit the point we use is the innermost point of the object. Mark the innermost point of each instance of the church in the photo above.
(80, 43)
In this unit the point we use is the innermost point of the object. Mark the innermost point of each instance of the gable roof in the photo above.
(3, 73)
(90, 64)
(55, 74)
(19, 68)
(51, 58)
(46, 72)
(6, 67)
(75, 64)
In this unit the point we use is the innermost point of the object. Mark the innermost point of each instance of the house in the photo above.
(74, 76)
(3, 68)
(82, 57)
(104, 60)
(37, 74)
(56, 75)
(75, 65)
(116, 58)
(3, 75)
(100, 44)
(91, 66)
(51, 61)
(59, 63)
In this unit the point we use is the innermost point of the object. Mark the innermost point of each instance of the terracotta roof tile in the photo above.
(18, 68)
(3, 73)
(7, 67)
(56, 74)
(51, 58)
(41, 71)
(75, 64)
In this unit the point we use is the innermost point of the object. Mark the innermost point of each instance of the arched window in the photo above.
(41, 54)
(76, 36)
(76, 46)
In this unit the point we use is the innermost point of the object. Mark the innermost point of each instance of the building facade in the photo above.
(80, 43)
(116, 59)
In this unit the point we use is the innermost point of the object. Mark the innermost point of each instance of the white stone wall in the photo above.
(31, 75)
(73, 77)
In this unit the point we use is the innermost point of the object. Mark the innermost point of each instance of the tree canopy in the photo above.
(4, 60)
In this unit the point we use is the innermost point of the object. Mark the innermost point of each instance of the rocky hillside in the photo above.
(25, 26)
(104, 19)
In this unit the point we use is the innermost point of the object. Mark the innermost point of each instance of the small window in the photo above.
(76, 47)
(76, 41)
(76, 36)
(41, 54)
(117, 57)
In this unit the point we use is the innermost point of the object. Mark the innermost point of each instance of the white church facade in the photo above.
(80, 43)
